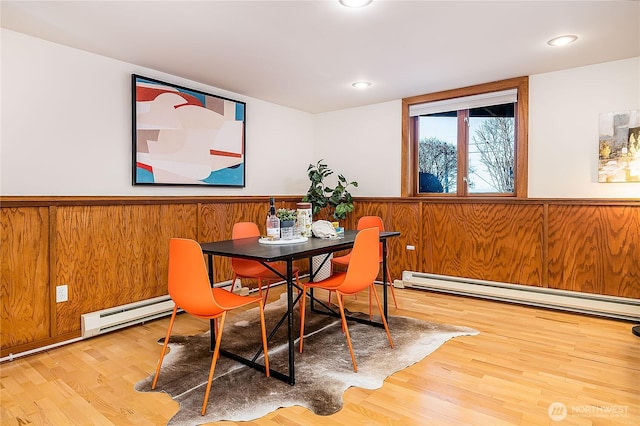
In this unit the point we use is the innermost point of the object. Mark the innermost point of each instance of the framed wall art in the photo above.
(619, 147)
(183, 136)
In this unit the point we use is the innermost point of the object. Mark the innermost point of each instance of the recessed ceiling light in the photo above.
(361, 84)
(562, 40)
(354, 3)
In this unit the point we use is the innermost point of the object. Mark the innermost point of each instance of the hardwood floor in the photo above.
(524, 360)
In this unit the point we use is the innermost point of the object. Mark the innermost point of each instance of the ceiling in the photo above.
(305, 54)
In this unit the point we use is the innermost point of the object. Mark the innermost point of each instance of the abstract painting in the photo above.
(619, 147)
(184, 136)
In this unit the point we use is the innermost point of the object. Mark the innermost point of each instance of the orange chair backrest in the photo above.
(244, 230)
(189, 284)
(364, 263)
(371, 222)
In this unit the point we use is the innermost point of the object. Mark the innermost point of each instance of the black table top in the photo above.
(250, 248)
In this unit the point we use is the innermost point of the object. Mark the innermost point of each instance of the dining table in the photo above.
(306, 247)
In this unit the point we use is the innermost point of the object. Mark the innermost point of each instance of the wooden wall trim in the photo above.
(46, 201)
(113, 250)
(503, 200)
(53, 231)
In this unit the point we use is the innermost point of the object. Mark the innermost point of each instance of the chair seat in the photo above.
(229, 300)
(342, 260)
(330, 283)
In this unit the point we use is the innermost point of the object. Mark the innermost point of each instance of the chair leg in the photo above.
(384, 320)
(264, 339)
(266, 293)
(164, 347)
(341, 297)
(329, 298)
(346, 331)
(355, 296)
(214, 359)
(393, 293)
(216, 327)
(303, 301)
(233, 281)
(297, 282)
(260, 288)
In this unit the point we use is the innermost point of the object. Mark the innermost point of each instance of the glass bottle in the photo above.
(273, 223)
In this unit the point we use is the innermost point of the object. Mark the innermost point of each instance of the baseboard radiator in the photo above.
(586, 303)
(111, 319)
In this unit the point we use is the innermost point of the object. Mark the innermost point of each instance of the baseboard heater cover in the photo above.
(587, 303)
(111, 319)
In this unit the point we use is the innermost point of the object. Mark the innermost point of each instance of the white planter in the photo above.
(324, 271)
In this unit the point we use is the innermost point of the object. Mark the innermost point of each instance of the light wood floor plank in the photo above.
(523, 360)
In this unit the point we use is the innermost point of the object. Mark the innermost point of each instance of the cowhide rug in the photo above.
(323, 371)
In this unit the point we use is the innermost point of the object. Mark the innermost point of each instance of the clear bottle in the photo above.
(273, 223)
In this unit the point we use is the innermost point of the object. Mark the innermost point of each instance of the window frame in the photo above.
(409, 173)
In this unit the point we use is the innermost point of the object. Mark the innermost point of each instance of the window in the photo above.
(467, 142)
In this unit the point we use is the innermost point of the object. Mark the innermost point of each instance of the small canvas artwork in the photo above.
(183, 136)
(619, 147)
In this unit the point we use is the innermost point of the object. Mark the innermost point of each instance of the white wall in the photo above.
(363, 144)
(564, 109)
(66, 130)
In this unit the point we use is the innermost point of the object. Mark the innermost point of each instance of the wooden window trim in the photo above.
(409, 178)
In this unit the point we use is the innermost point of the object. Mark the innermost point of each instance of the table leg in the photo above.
(292, 376)
(384, 277)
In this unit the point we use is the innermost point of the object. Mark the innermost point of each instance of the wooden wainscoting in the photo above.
(25, 297)
(492, 242)
(113, 255)
(595, 249)
(112, 251)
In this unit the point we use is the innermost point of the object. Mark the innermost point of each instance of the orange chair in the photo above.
(190, 289)
(243, 268)
(363, 223)
(362, 271)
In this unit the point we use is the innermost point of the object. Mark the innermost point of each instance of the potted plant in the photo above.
(287, 222)
(334, 202)
(337, 200)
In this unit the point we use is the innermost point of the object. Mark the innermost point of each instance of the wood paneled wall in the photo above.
(595, 249)
(493, 242)
(112, 255)
(25, 295)
(113, 250)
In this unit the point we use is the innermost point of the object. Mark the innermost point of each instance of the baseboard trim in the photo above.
(586, 303)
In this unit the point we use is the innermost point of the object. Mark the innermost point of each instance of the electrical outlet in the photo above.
(410, 247)
(62, 293)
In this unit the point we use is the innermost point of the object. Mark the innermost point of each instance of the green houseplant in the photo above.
(286, 214)
(336, 200)
(287, 222)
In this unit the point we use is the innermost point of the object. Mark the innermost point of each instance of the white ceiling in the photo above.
(305, 54)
